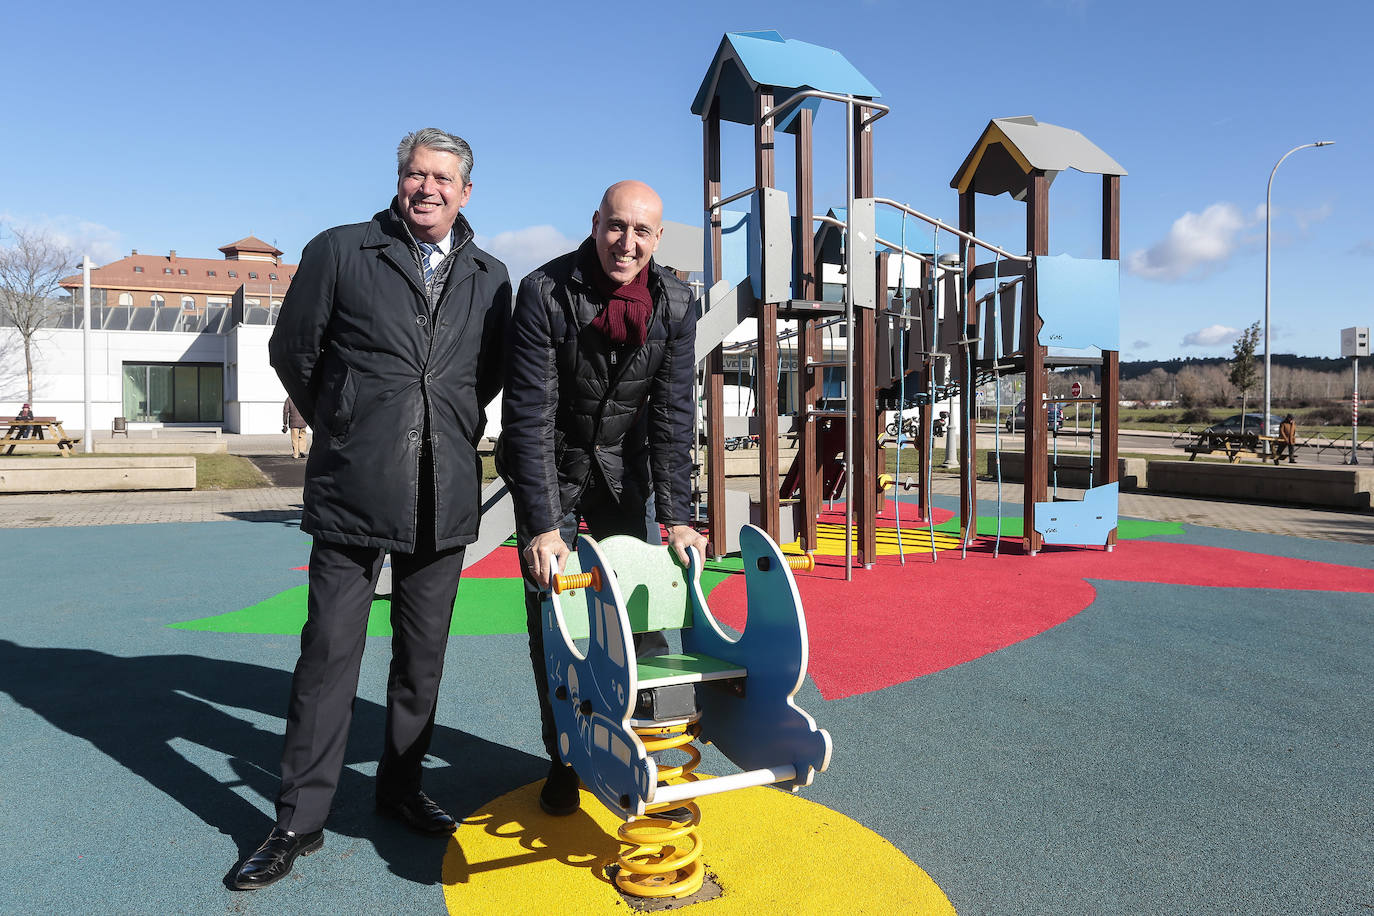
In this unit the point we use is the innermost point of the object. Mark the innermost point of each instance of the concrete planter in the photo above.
(1335, 488)
(64, 475)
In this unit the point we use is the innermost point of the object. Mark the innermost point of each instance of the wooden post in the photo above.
(968, 442)
(925, 302)
(1107, 470)
(715, 368)
(809, 381)
(863, 464)
(766, 372)
(1035, 485)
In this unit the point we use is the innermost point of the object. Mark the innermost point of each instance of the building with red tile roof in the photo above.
(192, 285)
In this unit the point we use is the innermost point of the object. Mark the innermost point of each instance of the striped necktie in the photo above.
(428, 259)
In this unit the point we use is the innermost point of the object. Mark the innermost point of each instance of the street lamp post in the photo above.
(86, 266)
(1268, 196)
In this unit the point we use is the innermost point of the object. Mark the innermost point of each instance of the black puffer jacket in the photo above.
(575, 405)
(375, 367)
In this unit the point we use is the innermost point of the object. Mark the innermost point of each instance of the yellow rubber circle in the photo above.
(771, 852)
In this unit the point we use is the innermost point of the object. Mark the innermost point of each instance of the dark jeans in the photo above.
(605, 518)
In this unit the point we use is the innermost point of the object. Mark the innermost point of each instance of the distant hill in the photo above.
(1137, 368)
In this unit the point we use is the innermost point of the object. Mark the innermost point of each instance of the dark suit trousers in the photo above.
(604, 517)
(342, 580)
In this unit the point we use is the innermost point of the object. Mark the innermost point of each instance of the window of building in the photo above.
(188, 303)
(233, 273)
(126, 299)
(138, 270)
(209, 273)
(156, 301)
(167, 270)
(271, 276)
(181, 271)
(174, 392)
(252, 275)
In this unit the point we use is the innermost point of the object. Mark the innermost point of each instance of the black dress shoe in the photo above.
(273, 859)
(418, 812)
(560, 797)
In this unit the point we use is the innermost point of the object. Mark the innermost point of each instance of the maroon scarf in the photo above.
(625, 318)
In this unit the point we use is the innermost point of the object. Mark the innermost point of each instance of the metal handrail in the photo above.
(992, 293)
(716, 205)
(880, 109)
(939, 224)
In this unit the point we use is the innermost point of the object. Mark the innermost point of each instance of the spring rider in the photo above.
(616, 716)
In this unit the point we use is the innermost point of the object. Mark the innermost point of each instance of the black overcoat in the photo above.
(376, 368)
(577, 407)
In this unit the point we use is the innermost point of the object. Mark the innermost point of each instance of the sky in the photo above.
(159, 126)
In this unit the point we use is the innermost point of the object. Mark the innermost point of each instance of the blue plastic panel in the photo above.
(734, 247)
(1088, 521)
(1079, 302)
(765, 727)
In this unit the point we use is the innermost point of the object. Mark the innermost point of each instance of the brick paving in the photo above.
(284, 504)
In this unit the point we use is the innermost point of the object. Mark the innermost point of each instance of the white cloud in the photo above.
(1214, 335)
(1141, 344)
(81, 236)
(1197, 242)
(525, 249)
(1305, 218)
(1364, 248)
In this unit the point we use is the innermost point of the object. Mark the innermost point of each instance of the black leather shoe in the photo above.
(418, 812)
(273, 859)
(560, 797)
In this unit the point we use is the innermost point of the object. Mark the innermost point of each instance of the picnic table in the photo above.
(1234, 445)
(40, 432)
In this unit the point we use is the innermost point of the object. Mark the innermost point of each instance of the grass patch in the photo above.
(222, 471)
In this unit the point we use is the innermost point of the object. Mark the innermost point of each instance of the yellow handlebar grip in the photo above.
(804, 563)
(578, 580)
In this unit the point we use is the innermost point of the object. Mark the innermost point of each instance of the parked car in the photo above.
(1254, 423)
(1017, 420)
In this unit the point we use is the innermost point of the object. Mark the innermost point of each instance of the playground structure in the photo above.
(960, 324)
(616, 714)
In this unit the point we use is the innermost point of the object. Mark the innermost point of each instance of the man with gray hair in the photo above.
(389, 343)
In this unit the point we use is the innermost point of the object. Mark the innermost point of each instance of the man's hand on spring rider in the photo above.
(680, 537)
(546, 556)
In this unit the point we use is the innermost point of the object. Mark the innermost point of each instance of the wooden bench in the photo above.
(45, 433)
(1233, 445)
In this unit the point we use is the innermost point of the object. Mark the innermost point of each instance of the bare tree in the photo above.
(1244, 373)
(29, 270)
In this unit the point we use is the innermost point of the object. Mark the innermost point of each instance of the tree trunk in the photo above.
(28, 366)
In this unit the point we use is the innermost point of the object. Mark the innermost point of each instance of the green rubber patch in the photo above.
(1126, 528)
(483, 607)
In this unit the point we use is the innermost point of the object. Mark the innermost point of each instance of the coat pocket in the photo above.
(342, 417)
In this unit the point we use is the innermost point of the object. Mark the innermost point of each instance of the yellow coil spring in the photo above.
(664, 858)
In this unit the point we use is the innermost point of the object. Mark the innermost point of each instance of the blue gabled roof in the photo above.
(746, 60)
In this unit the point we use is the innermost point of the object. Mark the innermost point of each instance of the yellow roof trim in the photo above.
(992, 135)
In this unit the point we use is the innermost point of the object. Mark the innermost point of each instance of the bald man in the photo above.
(597, 416)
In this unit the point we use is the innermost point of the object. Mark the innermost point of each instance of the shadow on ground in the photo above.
(149, 702)
(282, 470)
